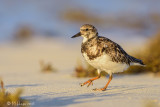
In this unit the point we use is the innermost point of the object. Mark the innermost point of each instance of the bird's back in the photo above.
(98, 46)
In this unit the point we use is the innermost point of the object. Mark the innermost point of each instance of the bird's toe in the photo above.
(99, 89)
(90, 84)
(81, 84)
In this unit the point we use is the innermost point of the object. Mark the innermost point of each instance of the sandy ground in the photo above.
(19, 67)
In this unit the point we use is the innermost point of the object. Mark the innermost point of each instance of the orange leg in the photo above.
(90, 81)
(105, 87)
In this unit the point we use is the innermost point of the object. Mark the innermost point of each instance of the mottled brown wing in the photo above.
(116, 53)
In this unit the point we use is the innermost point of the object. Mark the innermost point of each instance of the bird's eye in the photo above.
(86, 29)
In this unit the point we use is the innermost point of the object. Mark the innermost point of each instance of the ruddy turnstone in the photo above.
(103, 54)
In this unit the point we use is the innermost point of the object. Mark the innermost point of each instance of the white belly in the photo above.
(105, 63)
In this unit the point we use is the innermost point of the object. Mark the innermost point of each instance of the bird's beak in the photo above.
(76, 35)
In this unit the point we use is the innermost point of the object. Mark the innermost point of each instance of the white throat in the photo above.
(85, 39)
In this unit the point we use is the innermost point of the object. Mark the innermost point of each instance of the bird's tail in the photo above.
(135, 61)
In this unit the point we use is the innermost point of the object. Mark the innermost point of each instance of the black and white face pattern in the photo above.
(88, 31)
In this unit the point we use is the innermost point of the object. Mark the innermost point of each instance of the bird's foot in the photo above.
(99, 89)
(89, 82)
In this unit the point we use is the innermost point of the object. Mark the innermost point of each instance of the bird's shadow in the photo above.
(23, 85)
(68, 100)
(83, 98)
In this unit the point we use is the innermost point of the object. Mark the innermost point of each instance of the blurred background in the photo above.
(60, 18)
(35, 38)
(34, 34)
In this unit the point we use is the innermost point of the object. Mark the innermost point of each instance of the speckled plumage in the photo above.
(103, 54)
(96, 46)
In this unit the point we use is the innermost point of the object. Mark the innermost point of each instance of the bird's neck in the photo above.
(86, 39)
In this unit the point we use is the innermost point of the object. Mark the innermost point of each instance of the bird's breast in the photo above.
(98, 62)
(105, 63)
(92, 51)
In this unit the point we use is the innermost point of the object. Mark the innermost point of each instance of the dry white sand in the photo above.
(19, 67)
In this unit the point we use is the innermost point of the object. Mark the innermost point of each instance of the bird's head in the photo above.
(87, 31)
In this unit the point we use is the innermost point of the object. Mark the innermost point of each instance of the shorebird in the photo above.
(103, 54)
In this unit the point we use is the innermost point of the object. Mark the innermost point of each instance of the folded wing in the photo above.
(117, 53)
